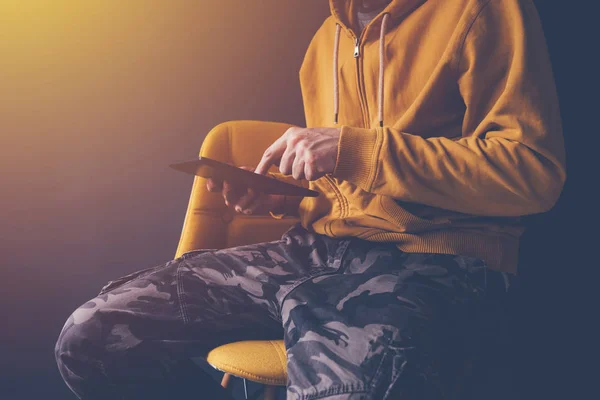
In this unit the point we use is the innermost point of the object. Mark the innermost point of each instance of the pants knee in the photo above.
(81, 353)
(79, 336)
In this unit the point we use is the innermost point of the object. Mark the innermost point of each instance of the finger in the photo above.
(310, 173)
(230, 193)
(257, 203)
(287, 161)
(213, 185)
(271, 156)
(298, 168)
(226, 192)
(246, 200)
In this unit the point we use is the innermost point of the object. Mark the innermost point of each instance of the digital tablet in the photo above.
(208, 168)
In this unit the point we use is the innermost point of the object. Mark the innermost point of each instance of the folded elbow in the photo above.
(547, 194)
(551, 197)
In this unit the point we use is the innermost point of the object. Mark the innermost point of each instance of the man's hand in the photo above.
(246, 201)
(304, 153)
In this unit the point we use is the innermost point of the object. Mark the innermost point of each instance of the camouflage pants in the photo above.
(360, 320)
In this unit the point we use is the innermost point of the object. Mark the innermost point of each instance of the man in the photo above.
(432, 127)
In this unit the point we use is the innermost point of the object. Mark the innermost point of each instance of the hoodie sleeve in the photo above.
(510, 159)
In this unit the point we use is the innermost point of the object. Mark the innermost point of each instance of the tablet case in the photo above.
(209, 168)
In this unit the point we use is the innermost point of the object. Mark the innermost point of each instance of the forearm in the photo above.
(494, 176)
(509, 159)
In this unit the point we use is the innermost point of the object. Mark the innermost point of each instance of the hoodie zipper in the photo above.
(344, 207)
(359, 73)
(362, 100)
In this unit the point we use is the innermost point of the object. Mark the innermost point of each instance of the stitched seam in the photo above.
(368, 233)
(334, 394)
(229, 143)
(340, 252)
(318, 273)
(346, 211)
(466, 33)
(378, 371)
(182, 308)
(251, 375)
(337, 194)
(422, 221)
(374, 173)
(335, 391)
(282, 357)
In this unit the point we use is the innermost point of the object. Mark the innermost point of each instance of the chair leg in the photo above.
(225, 380)
(270, 392)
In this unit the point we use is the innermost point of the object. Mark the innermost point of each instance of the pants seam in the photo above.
(335, 391)
(378, 370)
(180, 296)
(321, 271)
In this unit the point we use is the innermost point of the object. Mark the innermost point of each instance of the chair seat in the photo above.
(262, 361)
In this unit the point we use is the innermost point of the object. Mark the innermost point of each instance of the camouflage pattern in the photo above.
(360, 320)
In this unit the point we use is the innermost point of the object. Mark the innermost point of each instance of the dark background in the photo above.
(98, 99)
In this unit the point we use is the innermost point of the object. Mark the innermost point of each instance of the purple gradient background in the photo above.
(98, 97)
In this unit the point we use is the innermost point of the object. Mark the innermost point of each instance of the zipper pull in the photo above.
(356, 48)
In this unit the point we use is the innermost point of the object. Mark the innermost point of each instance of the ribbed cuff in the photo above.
(357, 155)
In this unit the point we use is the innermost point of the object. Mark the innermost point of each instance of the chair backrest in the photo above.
(209, 224)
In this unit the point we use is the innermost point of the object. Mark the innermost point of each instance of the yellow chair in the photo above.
(210, 225)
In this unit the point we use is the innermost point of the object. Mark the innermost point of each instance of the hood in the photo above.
(343, 10)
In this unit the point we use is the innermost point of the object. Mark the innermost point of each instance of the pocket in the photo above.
(111, 285)
(397, 361)
(405, 220)
(193, 253)
(407, 372)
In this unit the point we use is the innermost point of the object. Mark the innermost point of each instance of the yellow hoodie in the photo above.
(450, 127)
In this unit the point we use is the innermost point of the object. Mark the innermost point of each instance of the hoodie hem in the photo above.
(499, 253)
